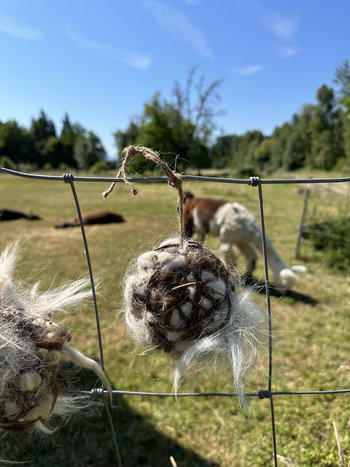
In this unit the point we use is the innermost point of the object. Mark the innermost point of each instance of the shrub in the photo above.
(99, 167)
(7, 163)
(333, 237)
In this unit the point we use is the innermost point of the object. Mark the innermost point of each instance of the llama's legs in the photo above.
(251, 256)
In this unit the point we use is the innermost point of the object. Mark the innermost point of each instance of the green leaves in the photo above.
(40, 146)
(180, 126)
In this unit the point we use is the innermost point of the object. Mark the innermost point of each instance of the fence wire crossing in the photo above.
(253, 182)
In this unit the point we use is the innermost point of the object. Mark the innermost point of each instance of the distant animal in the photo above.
(234, 225)
(98, 217)
(12, 214)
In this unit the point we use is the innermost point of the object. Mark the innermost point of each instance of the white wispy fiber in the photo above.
(287, 52)
(33, 386)
(283, 26)
(176, 23)
(184, 301)
(17, 28)
(248, 70)
(113, 53)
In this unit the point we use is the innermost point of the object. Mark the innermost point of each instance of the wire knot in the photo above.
(254, 181)
(264, 394)
(68, 178)
(97, 392)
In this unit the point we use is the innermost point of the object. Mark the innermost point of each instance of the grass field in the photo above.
(310, 351)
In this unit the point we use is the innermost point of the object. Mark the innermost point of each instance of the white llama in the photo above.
(235, 225)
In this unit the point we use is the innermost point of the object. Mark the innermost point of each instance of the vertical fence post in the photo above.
(255, 181)
(69, 178)
(307, 196)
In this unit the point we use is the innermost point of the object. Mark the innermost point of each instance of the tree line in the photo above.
(41, 146)
(318, 137)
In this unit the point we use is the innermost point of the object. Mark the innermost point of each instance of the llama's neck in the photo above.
(274, 260)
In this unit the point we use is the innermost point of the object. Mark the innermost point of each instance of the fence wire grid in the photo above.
(255, 182)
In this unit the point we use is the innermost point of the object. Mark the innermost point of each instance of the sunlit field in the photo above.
(311, 344)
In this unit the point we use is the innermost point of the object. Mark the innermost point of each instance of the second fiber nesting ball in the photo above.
(35, 391)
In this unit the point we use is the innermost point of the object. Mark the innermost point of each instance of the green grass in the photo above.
(311, 343)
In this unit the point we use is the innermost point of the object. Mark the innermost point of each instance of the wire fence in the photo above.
(254, 182)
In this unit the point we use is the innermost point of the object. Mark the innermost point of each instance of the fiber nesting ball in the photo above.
(33, 386)
(184, 301)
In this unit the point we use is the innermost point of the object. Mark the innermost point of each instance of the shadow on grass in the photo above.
(86, 441)
(260, 287)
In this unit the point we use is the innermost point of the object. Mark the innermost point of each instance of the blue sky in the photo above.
(100, 61)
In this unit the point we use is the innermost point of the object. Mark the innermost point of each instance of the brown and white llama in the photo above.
(235, 225)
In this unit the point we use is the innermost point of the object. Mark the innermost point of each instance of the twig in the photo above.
(340, 450)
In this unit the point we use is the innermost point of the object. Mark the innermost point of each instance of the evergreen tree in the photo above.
(295, 152)
(66, 126)
(127, 137)
(68, 138)
(53, 152)
(280, 137)
(88, 150)
(342, 79)
(261, 156)
(17, 144)
(42, 128)
(222, 150)
(326, 129)
(298, 143)
(242, 155)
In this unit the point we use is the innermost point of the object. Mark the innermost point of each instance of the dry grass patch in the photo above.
(311, 346)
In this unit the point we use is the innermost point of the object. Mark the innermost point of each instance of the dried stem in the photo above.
(340, 450)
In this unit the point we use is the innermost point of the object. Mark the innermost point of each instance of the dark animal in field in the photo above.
(98, 217)
(234, 225)
(12, 214)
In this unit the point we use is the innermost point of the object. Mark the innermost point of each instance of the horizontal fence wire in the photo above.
(97, 392)
(252, 181)
(199, 178)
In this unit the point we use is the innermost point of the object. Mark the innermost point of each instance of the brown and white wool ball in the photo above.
(33, 385)
(184, 300)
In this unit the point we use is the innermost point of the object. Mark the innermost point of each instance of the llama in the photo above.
(235, 225)
(13, 214)
(98, 217)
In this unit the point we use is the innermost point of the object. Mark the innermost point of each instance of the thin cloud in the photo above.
(248, 70)
(193, 2)
(16, 28)
(125, 56)
(174, 22)
(288, 52)
(283, 26)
